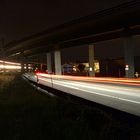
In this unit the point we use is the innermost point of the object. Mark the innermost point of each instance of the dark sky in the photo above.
(21, 18)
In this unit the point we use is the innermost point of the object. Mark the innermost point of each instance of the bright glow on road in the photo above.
(98, 93)
(123, 94)
(131, 81)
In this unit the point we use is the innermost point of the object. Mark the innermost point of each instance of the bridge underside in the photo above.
(118, 22)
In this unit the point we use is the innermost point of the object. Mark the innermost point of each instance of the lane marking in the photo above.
(136, 102)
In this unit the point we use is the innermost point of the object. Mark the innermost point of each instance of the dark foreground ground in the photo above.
(28, 114)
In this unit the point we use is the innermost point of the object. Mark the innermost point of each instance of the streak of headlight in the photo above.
(12, 63)
(9, 67)
(101, 88)
(97, 87)
(94, 79)
(98, 93)
(72, 86)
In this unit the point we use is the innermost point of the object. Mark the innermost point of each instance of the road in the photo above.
(119, 93)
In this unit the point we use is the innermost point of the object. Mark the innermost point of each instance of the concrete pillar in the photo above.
(26, 60)
(49, 63)
(41, 67)
(57, 62)
(129, 57)
(22, 61)
(27, 67)
(91, 60)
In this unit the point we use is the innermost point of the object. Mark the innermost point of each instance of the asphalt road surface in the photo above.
(119, 93)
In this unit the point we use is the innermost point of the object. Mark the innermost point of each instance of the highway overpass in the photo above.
(121, 21)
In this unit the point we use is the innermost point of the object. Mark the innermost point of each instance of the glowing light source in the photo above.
(9, 67)
(93, 79)
(5, 65)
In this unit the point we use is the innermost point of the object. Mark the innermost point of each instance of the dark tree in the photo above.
(81, 67)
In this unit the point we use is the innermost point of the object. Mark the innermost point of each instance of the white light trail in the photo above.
(118, 96)
(97, 93)
(9, 65)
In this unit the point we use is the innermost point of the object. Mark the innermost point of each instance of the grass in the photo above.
(28, 114)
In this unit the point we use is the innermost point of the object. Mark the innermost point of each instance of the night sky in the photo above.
(22, 18)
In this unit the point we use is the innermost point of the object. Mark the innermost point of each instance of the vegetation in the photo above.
(28, 114)
(81, 67)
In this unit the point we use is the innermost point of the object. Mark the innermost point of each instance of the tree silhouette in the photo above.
(81, 67)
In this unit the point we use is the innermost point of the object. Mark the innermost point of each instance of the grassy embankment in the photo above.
(27, 114)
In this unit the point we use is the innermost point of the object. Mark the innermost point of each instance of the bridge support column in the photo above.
(57, 61)
(22, 67)
(27, 65)
(26, 60)
(91, 60)
(49, 63)
(129, 57)
(41, 67)
(22, 62)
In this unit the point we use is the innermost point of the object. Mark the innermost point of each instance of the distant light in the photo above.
(126, 67)
(16, 54)
(90, 69)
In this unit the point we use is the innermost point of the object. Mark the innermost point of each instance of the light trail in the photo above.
(118, 96)
(9, 65)
(88, 87)
(130, 81)
(7, 62)
(98, 93)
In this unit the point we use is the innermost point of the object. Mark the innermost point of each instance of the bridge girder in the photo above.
(116, 22)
